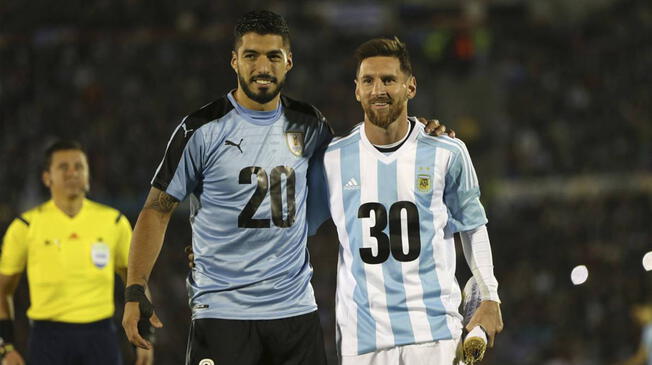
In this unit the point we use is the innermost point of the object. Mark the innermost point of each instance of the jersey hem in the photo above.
(258, 316)
(68, 320)
(160, 184)
(452, 337)
(163, 188)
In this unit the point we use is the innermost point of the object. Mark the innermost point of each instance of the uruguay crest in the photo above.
(295, 142)
(424, 183)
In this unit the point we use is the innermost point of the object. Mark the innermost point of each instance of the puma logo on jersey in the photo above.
(186, 131)
(229, 143)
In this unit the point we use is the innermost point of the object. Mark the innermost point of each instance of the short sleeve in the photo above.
(462, 193)
(182, 166)
(123, 242)
(14, 248)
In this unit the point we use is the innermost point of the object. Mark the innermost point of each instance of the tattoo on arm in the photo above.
(161, 201)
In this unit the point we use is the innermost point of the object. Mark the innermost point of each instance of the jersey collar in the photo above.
(392, 156)
(50, 205)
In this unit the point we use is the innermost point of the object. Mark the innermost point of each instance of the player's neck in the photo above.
(383, 136)
(248, 103)
(69, 205)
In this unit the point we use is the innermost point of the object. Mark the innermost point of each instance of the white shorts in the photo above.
(444, 352)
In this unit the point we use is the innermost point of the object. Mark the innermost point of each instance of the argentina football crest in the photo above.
(424, 180)
(295, 142)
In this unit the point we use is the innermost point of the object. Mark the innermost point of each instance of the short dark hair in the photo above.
(60, 145)
(384, 47)
(261, 22)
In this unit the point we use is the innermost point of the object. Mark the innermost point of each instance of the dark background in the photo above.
(551, 97)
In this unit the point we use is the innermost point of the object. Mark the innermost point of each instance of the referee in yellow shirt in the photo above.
(72, 248)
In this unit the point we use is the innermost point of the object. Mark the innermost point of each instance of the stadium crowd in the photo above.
(532, 98)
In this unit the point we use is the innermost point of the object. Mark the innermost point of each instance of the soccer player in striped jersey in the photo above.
(397, 196)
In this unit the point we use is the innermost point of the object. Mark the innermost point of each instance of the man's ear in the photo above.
(412, 87)
(47, 180)
(234, 61)
(357, 91)
(289, 63)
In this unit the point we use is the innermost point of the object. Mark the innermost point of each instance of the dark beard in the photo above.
(384, 120)
(263, 97)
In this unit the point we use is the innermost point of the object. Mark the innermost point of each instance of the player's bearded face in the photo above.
(261, 62)
(383, 90)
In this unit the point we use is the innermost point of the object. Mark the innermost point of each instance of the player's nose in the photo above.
(69, 172)
(378, 88)
(263, 65)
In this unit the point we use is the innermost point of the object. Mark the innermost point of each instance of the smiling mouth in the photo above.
(380, 104)
(263, 81)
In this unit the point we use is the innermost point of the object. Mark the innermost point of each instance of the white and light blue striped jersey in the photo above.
(395, 215)
(245, 173)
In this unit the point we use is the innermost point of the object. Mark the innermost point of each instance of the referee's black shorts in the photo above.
(287, 341)
(58, 343)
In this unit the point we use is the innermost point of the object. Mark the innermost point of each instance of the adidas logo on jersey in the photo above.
(352, 185)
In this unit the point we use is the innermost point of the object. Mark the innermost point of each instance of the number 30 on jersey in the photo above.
(394, 243)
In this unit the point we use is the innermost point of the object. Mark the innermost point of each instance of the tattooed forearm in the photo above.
(160, 201)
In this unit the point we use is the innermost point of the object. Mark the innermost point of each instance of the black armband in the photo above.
(6, 331)
(136, 293)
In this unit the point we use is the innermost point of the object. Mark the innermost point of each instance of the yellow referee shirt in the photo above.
(71, 262)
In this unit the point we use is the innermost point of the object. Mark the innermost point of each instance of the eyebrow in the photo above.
(383, 76)
(274, 51)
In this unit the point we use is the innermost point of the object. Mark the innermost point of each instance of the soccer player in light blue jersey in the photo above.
(397, 196)
(243, 161)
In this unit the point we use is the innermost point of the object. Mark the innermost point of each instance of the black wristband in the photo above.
(136, 293)
(6, 331)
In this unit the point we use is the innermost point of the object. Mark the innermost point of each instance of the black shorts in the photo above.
(287, 341)
(58, 343)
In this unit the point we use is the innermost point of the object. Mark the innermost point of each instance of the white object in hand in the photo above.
(477, 331)
(470, 300)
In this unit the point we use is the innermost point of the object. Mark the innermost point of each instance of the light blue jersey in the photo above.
(245, 173)
(395, 215)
